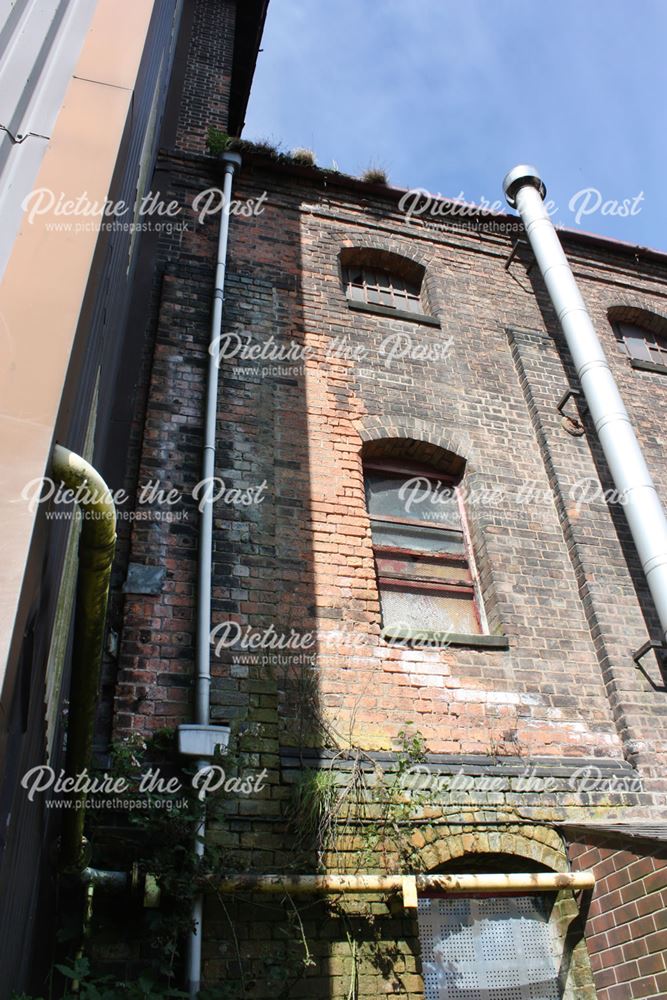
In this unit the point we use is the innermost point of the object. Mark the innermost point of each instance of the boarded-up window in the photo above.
(423, 557)
(487, 949)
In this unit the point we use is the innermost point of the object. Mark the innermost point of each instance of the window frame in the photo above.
(384, 289)
(400, 309)
(651, 340)
(403, 470)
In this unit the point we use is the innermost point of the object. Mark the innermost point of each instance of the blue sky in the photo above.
(447, 95)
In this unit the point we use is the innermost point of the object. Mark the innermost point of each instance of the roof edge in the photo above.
(282, 164)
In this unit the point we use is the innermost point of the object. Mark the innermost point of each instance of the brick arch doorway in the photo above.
(496, 946)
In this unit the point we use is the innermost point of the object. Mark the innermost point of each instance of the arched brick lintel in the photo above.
(639, 311)
(535, 843)
(421, 441)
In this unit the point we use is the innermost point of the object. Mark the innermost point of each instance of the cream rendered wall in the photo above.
(47, 273)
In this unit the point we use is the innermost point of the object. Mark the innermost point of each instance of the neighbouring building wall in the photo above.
(63, 303)
(41, 43)
(627, 920)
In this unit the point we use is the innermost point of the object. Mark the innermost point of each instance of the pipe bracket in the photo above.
(659, 646)
(514, 255)
(573, 425)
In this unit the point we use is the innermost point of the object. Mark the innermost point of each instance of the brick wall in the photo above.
(370, 939)
(565, 695)
(303, 558)
(627, 922)
(604, 560)
(204, 99)
(561, 583)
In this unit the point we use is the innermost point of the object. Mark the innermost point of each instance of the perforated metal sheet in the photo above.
(487, 949)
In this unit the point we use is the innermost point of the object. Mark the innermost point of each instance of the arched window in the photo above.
(382, 288)
(646, 348)
(423, 556)
(385, 282)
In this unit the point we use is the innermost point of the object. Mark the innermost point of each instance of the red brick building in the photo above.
(426, 605)
(534, 708)
(365, 352)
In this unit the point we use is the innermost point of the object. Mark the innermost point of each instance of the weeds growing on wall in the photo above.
(356, 801)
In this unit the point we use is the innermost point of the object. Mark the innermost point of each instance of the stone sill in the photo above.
(401, 314)
(430, 639)
(648, 366)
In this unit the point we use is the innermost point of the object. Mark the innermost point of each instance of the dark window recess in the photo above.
(380, 288)
(426, 576)
(643, 345)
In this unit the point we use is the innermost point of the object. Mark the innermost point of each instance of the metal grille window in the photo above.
(377, 287)
(423, 560)
(487, 949)
(641, 344)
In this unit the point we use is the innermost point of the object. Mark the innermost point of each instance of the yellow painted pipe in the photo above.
(514, 882)
(97, 544)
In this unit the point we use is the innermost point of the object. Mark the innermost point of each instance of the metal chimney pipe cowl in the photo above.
(518, 177)
(525, 191)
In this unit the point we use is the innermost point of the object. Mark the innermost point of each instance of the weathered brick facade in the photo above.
(558, 727)
(301, 559)
(302, 429)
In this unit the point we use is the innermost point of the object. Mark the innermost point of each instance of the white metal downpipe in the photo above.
(525, 191)
(205, 567)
